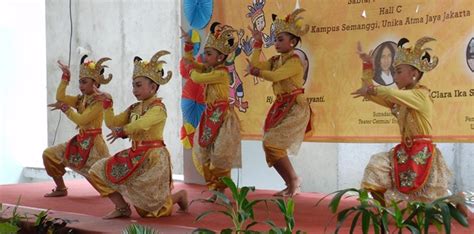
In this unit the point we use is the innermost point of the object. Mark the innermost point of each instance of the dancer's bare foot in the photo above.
(182, 201)
(123, 212)
(293, 187)
(57, 192)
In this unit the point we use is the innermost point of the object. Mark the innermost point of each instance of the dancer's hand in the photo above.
(251, 70)
(103, 97)
(364, 91)
(59, 106)
(257, 35)
(185, 35)
(66, 72)
(366, 58)
(115, 134)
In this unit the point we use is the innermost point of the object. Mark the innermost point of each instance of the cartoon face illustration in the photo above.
(259, 23)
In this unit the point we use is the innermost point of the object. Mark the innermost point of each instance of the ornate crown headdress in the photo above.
(417, 57)
(94, 70)
(292, 23)
(223, 38)
(256, 9)
(152, 69)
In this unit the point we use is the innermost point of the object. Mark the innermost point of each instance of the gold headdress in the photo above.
(417, 57)
(94, 70)
(292, 24)
(224, 39)
(152, 69)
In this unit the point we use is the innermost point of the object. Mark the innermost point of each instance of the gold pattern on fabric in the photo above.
(148, 188)
(289, 133)
(421, 157)
(55, 162)
(219, 157)
(407, 178)
(378, 176)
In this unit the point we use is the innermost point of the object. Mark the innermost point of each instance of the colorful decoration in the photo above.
(198, 12)
(196, 40)
(187, 135)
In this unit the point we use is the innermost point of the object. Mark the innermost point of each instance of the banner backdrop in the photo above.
(334, 69)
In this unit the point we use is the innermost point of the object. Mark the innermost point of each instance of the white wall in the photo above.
(22, 87)
(120, 30)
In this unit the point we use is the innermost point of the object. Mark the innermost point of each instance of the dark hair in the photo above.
(153, 82)
(293, 36)
(378, 56)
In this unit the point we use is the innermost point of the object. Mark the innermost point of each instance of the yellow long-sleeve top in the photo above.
(141, 121)
(216, 80)
(89, 113)
(285, 71)
(413, 107)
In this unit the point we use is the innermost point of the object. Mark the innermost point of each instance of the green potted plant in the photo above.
(417, 217)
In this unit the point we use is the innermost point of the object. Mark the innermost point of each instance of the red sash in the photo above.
(280, 108)
(211, 121)
(122, 165)
(79, 147)
(412, 163)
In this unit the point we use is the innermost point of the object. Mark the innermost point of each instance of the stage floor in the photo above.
(84, 205)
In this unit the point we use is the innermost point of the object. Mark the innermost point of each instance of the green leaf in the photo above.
(334, 204)
(206, 213)
(458, 216)
(203, 231)
(231, 185)
(8, 228)
(227, 231)
(270, 223)
(341, 217)
(290, 206)
(365, 221)
(138, 229)
(446, 217)
(354, 222)
(429, 213)
(221, 196)
(375, 221)
(413, 229)
(251, 224)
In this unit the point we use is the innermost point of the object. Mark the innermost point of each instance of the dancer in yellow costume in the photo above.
(413, 170)
(289, 117)
(141, 173)
(217, 144)
(88, 146)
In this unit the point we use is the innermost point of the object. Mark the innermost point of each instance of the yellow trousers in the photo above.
(213, 174)
(273, 154)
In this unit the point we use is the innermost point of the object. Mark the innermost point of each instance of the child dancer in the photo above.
(88, 146)
(415, 168)
(289, 117)
(142, 173)
(218, 142)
